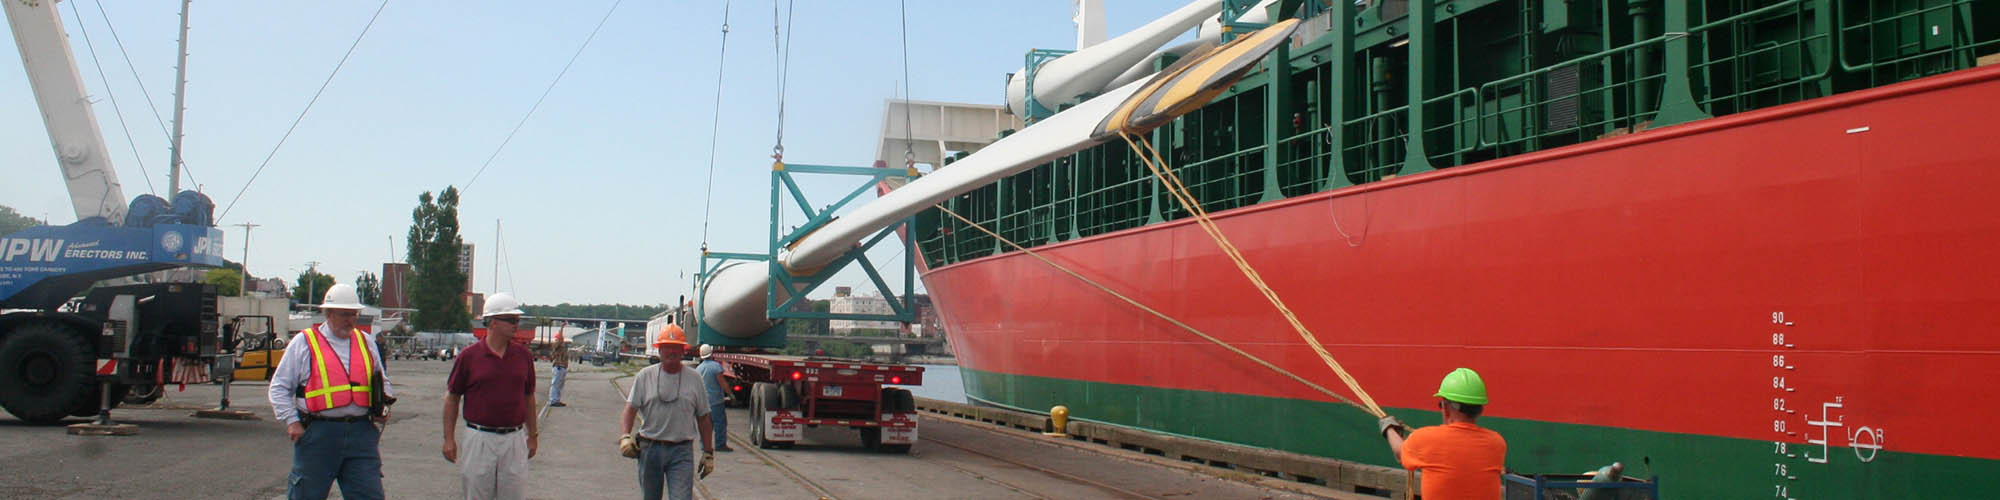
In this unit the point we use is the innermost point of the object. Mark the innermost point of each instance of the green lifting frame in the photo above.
(902, 305)
(1033, 62)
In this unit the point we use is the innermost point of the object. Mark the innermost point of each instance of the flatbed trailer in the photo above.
(785, 394)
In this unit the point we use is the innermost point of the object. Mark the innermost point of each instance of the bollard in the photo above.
(1058, 422)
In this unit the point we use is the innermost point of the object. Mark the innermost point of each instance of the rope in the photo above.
(1151, 157)
(714, 127)
(116, 110)
(1377, 412)
(302, 112)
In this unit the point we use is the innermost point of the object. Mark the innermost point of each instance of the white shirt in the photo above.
(295, 366)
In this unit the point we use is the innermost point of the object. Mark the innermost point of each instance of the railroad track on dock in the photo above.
(810, 486)
(1045, 470)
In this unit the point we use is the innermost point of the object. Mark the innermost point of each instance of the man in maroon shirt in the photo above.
(496, 381)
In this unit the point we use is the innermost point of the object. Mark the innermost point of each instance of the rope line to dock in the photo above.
(1151, 157)
(1170, 319)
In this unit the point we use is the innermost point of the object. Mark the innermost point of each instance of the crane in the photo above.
(61, 356)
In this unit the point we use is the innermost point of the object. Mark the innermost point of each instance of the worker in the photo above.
(670, 403)
(1459, 459)
(558, 368)
(495, 380)
(330, 369)
(712, 384)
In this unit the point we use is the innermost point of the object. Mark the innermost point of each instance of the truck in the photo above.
(71, 345)
(788, 393)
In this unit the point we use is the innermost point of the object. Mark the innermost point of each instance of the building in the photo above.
(465, 255)
(845, 302)
(395, 285)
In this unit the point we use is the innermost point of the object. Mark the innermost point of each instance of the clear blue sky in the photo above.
(601, 192)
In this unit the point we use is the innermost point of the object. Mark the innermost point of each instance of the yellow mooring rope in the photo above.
(1151, 157)
(1371, 409)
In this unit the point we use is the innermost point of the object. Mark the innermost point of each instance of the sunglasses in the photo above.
(513, 321)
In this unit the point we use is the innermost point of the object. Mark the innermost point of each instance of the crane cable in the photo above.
(715, 127)
(157, 119)
(544, 97)
(909, 128)
(115, 108)
(302, 112)
(1151, 157)
(781, 50)
(1372, 410)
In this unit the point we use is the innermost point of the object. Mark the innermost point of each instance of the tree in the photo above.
(228, 282)
(369, 288)
(436, 285)
(11, 221)
(311, 287)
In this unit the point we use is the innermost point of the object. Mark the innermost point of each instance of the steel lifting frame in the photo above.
(783, 183)
(1033, 63)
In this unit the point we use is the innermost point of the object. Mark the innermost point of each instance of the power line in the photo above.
(715, 127)
(544, 97)
(116, 110)
(302, 113)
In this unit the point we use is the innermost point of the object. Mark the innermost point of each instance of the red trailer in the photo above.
(787, 393)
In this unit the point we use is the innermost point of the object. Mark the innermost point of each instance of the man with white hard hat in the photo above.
(495, 380)
(324, 392)
(712, 384)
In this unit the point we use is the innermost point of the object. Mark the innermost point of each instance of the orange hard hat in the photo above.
(672, 334)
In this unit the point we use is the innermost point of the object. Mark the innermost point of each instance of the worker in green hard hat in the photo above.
(1459, 459)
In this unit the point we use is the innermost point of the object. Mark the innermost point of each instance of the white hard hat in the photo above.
(707, 350)
(501, 304)
(340, 296)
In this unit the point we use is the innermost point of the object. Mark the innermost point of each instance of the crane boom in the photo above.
(79, 145)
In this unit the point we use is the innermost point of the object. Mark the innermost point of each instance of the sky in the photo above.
(600, 196)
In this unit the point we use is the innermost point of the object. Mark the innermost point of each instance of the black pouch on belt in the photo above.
(378, 395)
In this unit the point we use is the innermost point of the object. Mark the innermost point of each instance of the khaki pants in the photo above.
(494, 466)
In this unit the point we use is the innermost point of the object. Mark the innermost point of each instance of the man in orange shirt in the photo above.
(1459, 459)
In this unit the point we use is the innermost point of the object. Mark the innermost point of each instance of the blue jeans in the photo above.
(556, 383)
(720, 420)
(668, 466)
(329, 451)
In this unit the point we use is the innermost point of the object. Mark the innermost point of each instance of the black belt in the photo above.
(644, 439)
(308, 417)
(495, 430)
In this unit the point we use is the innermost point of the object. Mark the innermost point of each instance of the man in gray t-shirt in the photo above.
(667, 398)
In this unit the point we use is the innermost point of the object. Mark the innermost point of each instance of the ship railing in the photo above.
(1902, 59)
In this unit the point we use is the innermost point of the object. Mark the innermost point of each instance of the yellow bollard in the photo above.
(1059, 421)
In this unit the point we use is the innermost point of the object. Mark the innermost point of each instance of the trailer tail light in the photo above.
(797, 375)
(737, 388)
(898, 379)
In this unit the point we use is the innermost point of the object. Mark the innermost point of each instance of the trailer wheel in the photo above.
(897, 401)
(761, 396)
(871, 438)
(45, 371)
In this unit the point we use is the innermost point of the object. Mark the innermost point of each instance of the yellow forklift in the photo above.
(258, 347)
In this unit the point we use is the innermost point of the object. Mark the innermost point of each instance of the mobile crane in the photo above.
(61, 356)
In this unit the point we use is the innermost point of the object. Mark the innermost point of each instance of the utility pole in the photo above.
(180, 103)
(243, 281)
(312, 269)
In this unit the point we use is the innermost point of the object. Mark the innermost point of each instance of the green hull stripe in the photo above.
(1688, 465)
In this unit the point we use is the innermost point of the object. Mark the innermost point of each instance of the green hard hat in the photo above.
(1463, 386)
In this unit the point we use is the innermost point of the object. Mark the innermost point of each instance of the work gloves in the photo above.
(627, 447)
(707, 463)
(1389, 422)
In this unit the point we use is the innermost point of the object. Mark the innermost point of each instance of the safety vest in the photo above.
(329, 388)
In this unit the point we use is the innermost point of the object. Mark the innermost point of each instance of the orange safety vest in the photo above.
(328, 389)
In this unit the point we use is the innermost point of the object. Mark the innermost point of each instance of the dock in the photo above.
(963, 452)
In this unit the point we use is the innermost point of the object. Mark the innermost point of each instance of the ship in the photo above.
(1747, 248)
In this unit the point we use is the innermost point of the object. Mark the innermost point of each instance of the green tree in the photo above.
(11, 221)
(369, 288)
(437, 286)
(311, 287)
(227, 281)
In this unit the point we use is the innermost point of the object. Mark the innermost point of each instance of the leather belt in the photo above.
(495, 430)
(308, 417)
(644, 439)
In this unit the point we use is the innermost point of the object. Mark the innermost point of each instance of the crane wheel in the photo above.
(45, 373)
